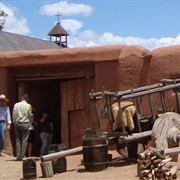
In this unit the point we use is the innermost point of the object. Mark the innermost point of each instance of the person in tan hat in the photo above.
(5, 119)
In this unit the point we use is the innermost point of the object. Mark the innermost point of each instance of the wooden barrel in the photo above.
(145, 122)
(55, 147)
(59, 165)
(29, 169)
(95, 156)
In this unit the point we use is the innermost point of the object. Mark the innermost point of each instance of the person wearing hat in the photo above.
(21, 113)
(5, 119)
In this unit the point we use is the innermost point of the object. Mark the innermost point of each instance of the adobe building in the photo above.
(60, 80)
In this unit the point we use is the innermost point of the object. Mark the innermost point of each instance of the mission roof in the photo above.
(15, 42)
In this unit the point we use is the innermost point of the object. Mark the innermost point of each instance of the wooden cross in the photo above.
(58, 16)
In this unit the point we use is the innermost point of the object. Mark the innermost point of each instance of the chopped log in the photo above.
(145, 172)
(167, 151)
(135, 137)
(139, 167)
(174, 172)
(142, 156)
(154, 165)
(47, 170)
(156, 152)
(166, 160)
(61, 154)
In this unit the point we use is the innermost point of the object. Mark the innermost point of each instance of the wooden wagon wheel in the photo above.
(166, 131)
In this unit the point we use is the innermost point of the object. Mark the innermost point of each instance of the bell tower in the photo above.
(58, 34)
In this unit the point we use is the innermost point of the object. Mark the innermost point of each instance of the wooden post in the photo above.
(177, 101)
(109, 112)
(97, 113)
(152, 108)
(138, 105)
(162, 96)
(137, 118)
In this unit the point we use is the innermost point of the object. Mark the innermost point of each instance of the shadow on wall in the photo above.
(146, 57)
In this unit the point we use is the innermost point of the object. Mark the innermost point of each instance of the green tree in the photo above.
(2, 18)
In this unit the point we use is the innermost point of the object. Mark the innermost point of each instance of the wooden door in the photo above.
(76, 127)
(75, 110)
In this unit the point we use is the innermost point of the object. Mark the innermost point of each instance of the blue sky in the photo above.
(150, 23)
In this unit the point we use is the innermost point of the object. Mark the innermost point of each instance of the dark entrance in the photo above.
(44, 95)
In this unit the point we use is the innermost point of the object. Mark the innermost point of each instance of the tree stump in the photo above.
(47, 170)
(166, 131)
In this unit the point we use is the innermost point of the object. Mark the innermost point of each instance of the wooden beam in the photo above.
(135, 137)
(171, 151)
(60, 154)
(54, 72)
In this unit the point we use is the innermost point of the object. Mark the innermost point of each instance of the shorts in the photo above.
(31, 138)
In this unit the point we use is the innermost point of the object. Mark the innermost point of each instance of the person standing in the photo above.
(5, 119)
(46, 132)
(21, 113)
(31, 138)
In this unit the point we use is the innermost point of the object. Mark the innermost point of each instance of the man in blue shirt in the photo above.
(5, 119)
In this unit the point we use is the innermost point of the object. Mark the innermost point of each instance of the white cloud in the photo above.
(88, 35)
(65, 8)
(15, 24)
(72, 25)
(85, 38)
(91, 38)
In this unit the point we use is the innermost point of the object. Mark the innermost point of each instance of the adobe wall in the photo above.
(140, 67)
(117, 67)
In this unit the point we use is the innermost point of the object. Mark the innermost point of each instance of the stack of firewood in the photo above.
(154, 165)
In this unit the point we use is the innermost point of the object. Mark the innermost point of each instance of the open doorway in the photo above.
(44, 95)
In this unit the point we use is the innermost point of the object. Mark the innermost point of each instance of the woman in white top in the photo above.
(31, 138)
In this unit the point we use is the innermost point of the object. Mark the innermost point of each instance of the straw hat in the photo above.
(3, 97)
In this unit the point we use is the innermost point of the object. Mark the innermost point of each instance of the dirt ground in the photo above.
(124, 170)
(12, 169)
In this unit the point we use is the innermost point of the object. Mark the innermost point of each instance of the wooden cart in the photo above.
(125, 141)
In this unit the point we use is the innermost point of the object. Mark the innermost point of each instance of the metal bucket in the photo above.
(95, 156)
(29, 169)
